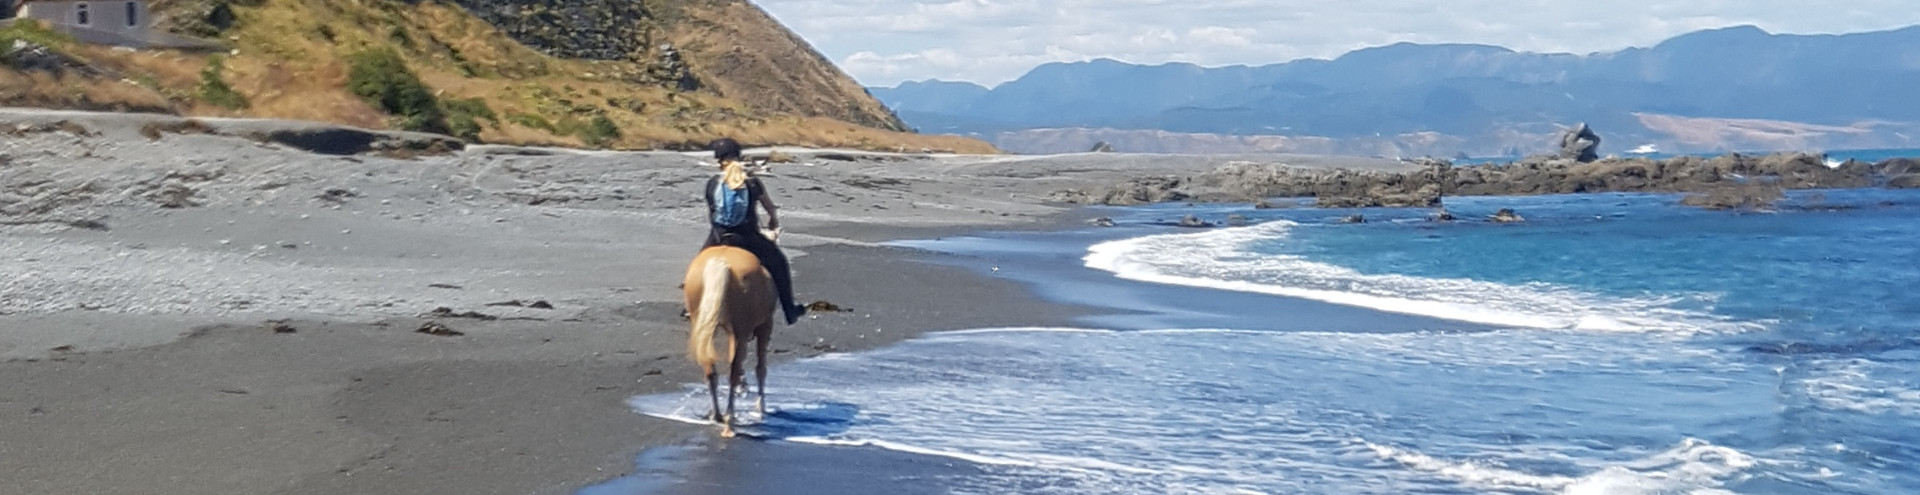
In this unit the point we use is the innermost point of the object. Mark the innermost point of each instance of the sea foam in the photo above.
(1214, 411)
(1222, 259)
(1694, 467)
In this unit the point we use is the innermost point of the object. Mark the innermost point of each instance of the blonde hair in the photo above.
(734, 172)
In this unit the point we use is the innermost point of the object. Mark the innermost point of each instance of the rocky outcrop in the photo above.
(1330, 188)
(1580, 144)
(203, 18)
(1897, 166)
(1506, 215)
(580, 29)
(1740, 196)
(27, 56)
(1342, 188)
(671, 70)
(1681, 174)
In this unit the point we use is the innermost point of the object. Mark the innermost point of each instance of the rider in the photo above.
(746, 234)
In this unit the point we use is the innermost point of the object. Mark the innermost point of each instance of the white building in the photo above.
(114, 22)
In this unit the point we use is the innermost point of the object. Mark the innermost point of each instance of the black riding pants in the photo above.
(768, 252)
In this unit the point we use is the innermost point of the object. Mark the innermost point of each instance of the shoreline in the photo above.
(144, 280)
(512, 406)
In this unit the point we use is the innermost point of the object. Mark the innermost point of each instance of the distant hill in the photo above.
(594, 73)
(1738, 88)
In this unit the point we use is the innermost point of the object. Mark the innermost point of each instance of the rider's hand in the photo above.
(773, 224)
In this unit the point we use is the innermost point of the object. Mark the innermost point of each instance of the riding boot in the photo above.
(776, 264)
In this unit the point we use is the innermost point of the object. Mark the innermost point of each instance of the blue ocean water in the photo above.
(1621, 344)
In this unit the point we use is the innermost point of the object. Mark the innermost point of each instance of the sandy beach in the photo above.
(211, 313)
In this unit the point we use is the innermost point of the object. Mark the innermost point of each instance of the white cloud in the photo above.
(1221, 36)
(884, 42)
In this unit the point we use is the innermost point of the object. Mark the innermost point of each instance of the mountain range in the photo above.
(1731, 89)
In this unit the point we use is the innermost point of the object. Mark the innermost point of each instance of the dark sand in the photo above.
(510, 407)
(140, 282)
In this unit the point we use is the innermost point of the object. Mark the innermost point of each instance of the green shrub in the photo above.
(599, 132)
(532, 121)
(382, 78)
(32, 31)
(464, 116)
(214, 89)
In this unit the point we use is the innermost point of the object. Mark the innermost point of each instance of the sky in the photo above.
(885, 42)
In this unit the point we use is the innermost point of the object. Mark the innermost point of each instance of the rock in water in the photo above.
(1897, 166)
(1102, 147)
(1506, 215)
(1751, 195)
(1908, 181)
(1354, 219)
(1193, 221)
(1580, 144)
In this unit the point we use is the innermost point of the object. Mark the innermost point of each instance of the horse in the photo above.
(726, 287)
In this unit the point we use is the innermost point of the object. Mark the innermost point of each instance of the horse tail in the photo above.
(706, 318)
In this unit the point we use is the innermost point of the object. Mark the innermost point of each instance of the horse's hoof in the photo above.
(726, 433)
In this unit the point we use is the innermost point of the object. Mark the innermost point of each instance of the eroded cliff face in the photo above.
(743, 53)
(730, 47)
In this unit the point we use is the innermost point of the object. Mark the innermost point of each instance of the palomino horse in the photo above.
(726, 287)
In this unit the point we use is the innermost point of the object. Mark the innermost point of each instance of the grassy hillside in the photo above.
(432, 65)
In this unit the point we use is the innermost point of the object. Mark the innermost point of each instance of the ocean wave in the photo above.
(1222, 259)
(1852, 385)
(1217, 410)
(1694, 467)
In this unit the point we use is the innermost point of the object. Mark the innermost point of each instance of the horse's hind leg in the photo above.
(713, 389)
(736, 378)
(762, 337)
